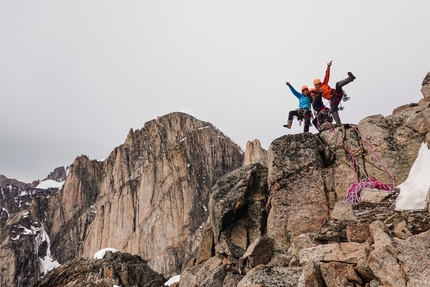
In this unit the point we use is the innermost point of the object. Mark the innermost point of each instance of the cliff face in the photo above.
(149, 197)
(23, 243)
(308, 235)
(176, 194)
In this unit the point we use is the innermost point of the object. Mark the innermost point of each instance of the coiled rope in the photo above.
(353, 195)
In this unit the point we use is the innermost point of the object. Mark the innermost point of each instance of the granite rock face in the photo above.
(23, 240)
(148, 198)
(177, 194)
(114, 269)
(254, 153)
(319, 238)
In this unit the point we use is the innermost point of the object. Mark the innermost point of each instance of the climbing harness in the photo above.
(301, 116)
(353, 195)
(323, 116)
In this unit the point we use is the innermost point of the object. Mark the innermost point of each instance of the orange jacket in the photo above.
(325, 88)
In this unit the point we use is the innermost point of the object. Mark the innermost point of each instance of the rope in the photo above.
(374, 154)
(325, 216)
(353, 195)
(344, 146)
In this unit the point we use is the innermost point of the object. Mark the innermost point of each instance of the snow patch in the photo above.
(47, 263)
(49, 183)
(27, 231)
(172, 280)
(101, 253)
(414, 191)
(5, 210)
(23, 193)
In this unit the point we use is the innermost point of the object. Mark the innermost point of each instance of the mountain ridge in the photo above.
(160, 183)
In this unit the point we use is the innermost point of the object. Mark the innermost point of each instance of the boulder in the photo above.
(210, 273)
(358, 232)
(339, 274)
(238, 207)
(114, 269)
(259, 252)
(297, 193)
(263, 275)
(346, 252)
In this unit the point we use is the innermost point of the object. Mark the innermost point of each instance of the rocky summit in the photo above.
(179, 197)
(113, 269)
(298, 221)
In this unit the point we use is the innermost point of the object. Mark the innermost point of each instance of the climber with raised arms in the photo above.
(321, 112)
(304, 110)
(333, 95)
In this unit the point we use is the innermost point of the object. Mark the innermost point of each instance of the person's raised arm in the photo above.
(295, 93)
(327, 73)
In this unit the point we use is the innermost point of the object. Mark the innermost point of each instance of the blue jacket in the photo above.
(304, 101)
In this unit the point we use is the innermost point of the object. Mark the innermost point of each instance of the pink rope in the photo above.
(344, 146)
(325, 216)
(374, 154)
(353, 195)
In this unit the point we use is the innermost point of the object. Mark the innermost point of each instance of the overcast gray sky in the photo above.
(75, 76)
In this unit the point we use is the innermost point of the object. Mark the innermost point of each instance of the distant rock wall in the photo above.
(254, 153)
(22, 212)
(4, 182)
(149, 197)
(59, 174)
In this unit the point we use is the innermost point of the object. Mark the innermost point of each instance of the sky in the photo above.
(76, 76)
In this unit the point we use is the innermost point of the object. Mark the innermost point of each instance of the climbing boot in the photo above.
(336, 117)
(351, 76)
(345, 98)
(288, 125)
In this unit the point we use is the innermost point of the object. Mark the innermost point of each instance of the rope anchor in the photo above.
(353, 195)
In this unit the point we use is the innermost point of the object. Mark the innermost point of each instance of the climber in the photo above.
(303, 111)
(321, 112)
(333, 95)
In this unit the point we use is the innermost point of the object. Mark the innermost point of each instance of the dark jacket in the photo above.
(317, 103)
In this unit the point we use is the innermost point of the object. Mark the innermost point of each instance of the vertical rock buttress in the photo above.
(149, 197)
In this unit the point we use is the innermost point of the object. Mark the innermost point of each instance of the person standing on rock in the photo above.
(304, 110)
(321, 112)
(333, 95)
